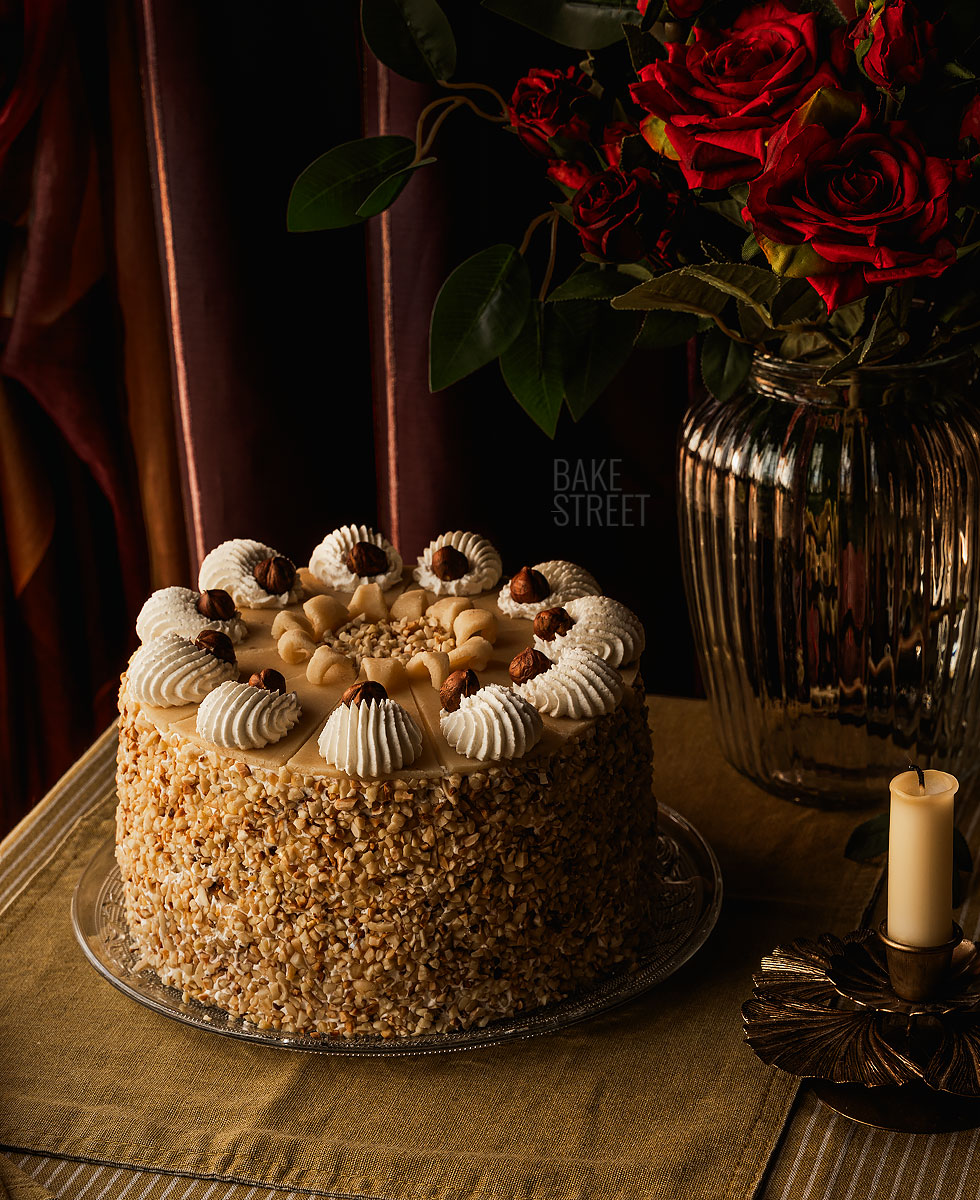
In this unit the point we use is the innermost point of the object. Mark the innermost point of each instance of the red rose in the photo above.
(612, 140)
(716, 101)
(893, 44)
(569, 173)
(626, 216)
(848, 209)
(551, 104)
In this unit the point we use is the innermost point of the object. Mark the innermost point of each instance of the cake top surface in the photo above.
(359, 666)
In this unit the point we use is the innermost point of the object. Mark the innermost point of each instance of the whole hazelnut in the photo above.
(275, 575)
(529, 586)
(268, 678)
(551, 623)
(449, 563)
(366, 690)
(217, 643)
(527, 664)
(365, 558)
(458, 685)
(216, 605)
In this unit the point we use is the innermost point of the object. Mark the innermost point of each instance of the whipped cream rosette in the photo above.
(493, 724)
(170, 670)
(244, 717)
(370, 738)
(174, 610)
(580, 684)
(601, 625)
(355, 554)
(232, 568)
(564, 580)
(458, 564)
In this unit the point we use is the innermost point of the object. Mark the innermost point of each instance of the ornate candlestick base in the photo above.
(827, 1010)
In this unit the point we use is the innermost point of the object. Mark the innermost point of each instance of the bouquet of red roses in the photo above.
(779, 175)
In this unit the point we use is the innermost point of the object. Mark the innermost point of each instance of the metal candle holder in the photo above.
(889, 1033)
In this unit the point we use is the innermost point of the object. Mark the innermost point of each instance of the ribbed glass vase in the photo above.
(831, 544)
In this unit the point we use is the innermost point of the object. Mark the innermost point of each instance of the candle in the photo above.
(920, 858)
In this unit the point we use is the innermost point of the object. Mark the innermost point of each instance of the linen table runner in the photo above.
(659, 1098)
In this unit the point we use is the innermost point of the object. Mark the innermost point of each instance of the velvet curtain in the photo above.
(85, 429)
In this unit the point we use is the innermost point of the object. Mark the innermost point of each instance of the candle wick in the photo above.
(922, 779)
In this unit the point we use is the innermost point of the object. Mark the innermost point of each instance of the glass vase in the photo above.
(830, 535)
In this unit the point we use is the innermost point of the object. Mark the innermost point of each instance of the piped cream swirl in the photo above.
(230, 566)
(370, 739)
(170, 670)
(492, 724)
(602, 625)
(174, 610)
(242, 717)
(579, 685)
(328, 562)
(484, 562)
(567, 581)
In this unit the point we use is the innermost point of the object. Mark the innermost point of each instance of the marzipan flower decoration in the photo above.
(784, 176)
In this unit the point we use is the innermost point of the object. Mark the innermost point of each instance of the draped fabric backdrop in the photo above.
(177, 369)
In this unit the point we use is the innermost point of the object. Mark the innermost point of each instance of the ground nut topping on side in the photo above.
(601, 625)
(244, 717)
(484, 565)
(492, 724)
(231, 567)
(171, 670)
(328, 562)
(370, 739)
(579, 685)
(567, 582)
(174, 610)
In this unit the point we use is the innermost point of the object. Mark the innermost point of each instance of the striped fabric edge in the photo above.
(31, 844)
(79, 1179)
(824, 1156)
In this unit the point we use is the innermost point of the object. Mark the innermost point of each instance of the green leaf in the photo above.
(847, 321)
(664, 329)
(595, 342)
(750, 248)
(480, 310)
(330, 191)
(885, 337)
(644, 48)
(705, 290)
(724, 364)
(753, 326)
(586, 284)
(412, 37)
(581, 24)
(388, 191)
(730, 209)
(868, 840)
(532, 367)
(796, 301)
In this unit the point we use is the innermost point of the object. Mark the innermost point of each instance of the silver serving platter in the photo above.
(686, 912)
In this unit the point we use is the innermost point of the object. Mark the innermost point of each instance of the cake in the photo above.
(356, 799)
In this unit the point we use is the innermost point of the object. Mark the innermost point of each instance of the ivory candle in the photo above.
(920, 858)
